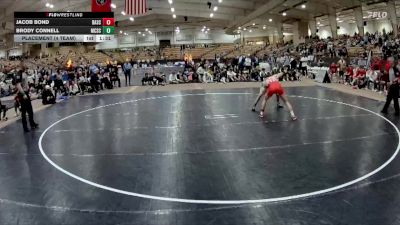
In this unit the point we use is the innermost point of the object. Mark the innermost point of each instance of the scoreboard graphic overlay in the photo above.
(63, 26)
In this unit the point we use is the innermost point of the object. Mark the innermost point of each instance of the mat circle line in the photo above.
(218, 202)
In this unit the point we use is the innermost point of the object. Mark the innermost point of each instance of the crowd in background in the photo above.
(376, 66)
(371, 71)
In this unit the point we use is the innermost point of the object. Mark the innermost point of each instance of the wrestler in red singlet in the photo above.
(261, 94)
(274, 87)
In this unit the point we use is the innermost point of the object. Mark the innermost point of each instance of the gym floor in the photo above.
(202, 157)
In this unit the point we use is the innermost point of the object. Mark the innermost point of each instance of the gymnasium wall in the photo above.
(181, 38)
(15, 52)
(2, 54)
(351, 28)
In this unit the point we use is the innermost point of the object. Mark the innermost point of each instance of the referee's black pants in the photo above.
(26, 108)
(3, 110)
(393, 94)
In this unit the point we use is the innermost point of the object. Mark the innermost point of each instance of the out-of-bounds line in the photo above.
(168, 211)
(224, 125)
(224, 150)
(220, 202)
(100, 129)
(289, 120)
(17, 154)
(153, 212)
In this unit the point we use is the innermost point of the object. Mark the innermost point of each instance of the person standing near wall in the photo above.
(127, 68)
(342, 69)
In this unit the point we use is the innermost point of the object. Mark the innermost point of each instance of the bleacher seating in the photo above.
(244, 50)
(9, 64)
(221, 50)
(355, 51)
(197, 52)
(172, 53)
(98, 57)
(266, 51)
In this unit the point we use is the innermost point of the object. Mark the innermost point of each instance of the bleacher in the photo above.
(355, 51)
(172, 53)
(376, 51)
(146, 54)
(64, 51)
(221, 50)
(141, 55)
(266, 51)
(97, 57)
(244, 50)
(225, 50)
(8, 63)
(198, 52)
(75, 52)
(123, 56)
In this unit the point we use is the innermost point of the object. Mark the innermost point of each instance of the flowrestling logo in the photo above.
(64, 15)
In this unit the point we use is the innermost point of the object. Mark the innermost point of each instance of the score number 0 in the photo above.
(108, 25)
(108, 30)
(108, 22)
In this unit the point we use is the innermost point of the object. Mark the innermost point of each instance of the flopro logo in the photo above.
(379, 15)
(101, 2)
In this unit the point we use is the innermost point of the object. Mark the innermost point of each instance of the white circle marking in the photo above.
(218, 202)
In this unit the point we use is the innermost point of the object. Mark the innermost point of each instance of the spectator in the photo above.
(263, 74)
(231, 75)
(359, 80)
(146, 80)
(173, 78)
(127, 68)
(349, 74)
(200, 72)
(372, 79)
(59, 85)
(82, 81)
(105, 80)
(255, 75)
(342, 69)
(159, 80)
(48, 96)
(208, 77)
(114, 78)
(94, 81)
(248, 63)
(73, 88)
(333, 72)
(3, 110)
(303, 65)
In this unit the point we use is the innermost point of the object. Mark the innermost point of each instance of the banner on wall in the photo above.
(101, 5)
(136, 7)
(146, 39)
(127, 40)
(184, 37)
(203, 36)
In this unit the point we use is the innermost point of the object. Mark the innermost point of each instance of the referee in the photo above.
(24, 100)
(393, 93)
